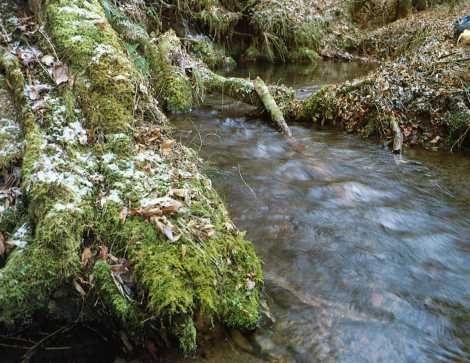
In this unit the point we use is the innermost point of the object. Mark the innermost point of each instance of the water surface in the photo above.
(366, 258)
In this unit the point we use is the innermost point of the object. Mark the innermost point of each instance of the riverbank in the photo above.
(422, 83)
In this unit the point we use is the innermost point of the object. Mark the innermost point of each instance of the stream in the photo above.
(366, 257)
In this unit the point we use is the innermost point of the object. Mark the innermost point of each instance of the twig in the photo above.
(13, 346)
(50, 43)
(244, 182)
(32, 350)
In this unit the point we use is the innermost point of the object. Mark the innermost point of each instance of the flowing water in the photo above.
(366, 257)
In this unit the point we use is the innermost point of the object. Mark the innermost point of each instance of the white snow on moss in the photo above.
(20, 237)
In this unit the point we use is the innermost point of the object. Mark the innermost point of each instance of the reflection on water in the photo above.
(366, 259)
(305, 78)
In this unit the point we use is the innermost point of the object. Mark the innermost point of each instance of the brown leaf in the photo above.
(27, 56)
(183, 251)
(171, 206)
(165, 147)
(90, 135)
(145, 212)
(86, 256)
(179, 193)
(165, 227)
(60, 73)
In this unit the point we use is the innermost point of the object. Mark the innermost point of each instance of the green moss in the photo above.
(58, 198)
(11, 136)
(175, 89)
(171, 81)
(302, 55)
(26, 283)
(217, 276)
(319, 107)
(210, 53)
(125, 311)
(184, 329)
(105, 76)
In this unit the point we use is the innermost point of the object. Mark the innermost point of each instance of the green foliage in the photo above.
(184, 329)
(302, 55)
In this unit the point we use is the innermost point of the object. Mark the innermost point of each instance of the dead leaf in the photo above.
(166, 146)
(145, 212)
(86, 256)
(164, 226)
(60, 73)
(183, 251)
(27, 56)
(171, 206)
(179, 193)
(38, 106)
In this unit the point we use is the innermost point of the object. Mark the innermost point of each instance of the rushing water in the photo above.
(366, 258)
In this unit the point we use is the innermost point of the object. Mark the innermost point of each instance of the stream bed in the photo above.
(366, 256)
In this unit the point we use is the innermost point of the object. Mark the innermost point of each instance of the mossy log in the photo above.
(180, 80)
(271, 106)
(109, 193)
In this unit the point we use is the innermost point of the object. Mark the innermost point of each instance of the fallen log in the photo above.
(182, 81)
(270, 105)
